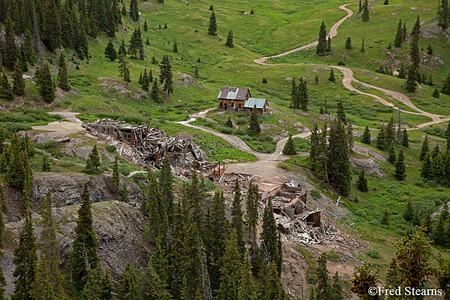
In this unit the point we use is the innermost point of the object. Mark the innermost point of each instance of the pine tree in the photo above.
(237, 222)
(110, 51)
(253, 123)
(46, 167)
(348, 43)
(401, 72)
(196, 72)
(366, 136)
(166, 76)
(252, 215)
(156, 288)
(411, 84)
(331, 77)
(122, 49)
(322, 45)
(229, 42)
(414, 51)
(16, 169)
(116, 175)
(98, 285)
(416, 27)
(124, 9)
(436, 93)
(341, 112)
(362, 46)
(84, 255)
(145, 81)
(381, 138)
(50, 248)
(41, 288)
(340, 162)
(270, 236)
(289, 147)
(405, 141)
(46, 86)
(446, 85)
(6, 91)
(302, 94)
(385, 219)
(328, 44)
(365, 14)
(439, 232)
(363, 279)
(247, 288)
(390, 133)
(52, 26)
(123, 69)
(323, 284)
(272, 288)
(155, 91)
(128, 284)
(191, 263)
(294, 95)
(63, 81)
(10, 51)
(25, 259)
(18, 83)
(212, 28)
(425, 148)
(230, 271)
(408, 214)
(145, 27)
(386, 2)
(392, 155)
(336, 288)
(175, 47)
(400, 169)
(443, 13)
(362, 182)
(134, 11)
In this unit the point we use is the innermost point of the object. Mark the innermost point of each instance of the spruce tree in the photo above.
(322, 41)
(196, 72)
(405, 141)
(439, 232)
(6, 91)
(19, 82)
(362, 46)
(155, 91)
(84, 255)
(237, 222)
(328, 44)
(51, 34)
(366, 136)
(323, 284)
(336, 288)
(134, 11)
(289, 147)
(16, 169)
(128, 284)
(272, 288)
(63, 81)
(426, 171)
(294, 95)
(400, 170)
(25, 259)
(122, 49)
(253, 123)
(212, 28)
(348, 43)
(392, 155)
(416, 27)
(390, 133)
(42, 287)
(123, 69)
(340, 164)
(46, 86)
(408, 214)
(425, 148)
(110, 51)
(446, 85)
(365, 14)
(362, 182)
(116, 175)
(191, 263)
(156, 288)
(252, 215)
(230, 271)
(145, 81)
(411, 84)
(229, 42)
(414, 51)
(381, 138)
(145, 27)
(247, 288)
(10, 51)
(98, 285)
(302, 94)
(270, 236)
(385, 219)
(341, 112)
(331, 77)
(166, 76)
(401, 72)
(175, 47)
(436, 93)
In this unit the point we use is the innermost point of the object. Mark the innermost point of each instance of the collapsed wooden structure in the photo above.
(150, 145)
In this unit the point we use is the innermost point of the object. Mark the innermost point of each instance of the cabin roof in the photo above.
(251, 102)
(233, 93)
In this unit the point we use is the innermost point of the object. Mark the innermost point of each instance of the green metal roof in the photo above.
(251, 102)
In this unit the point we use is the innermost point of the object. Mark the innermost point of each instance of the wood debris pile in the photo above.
(148, 146)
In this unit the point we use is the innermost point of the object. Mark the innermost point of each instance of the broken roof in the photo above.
(306, 214)
(233, 93)
(251, 102)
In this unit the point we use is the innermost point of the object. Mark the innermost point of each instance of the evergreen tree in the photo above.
(110, 51)
(411, 84)
(155, 91)
(50, 248)
(252, 215)
(166, 188)
(365, 16)
(366, 136)
(323, 284)
(253, 123)
(385, 219)
(10, 51)
(84, 252)
(51, 34)
(447, 134)
(294, 95)
(331, 77)
(230, 271)
(98, 285)
(128, 284)
(46, 86)
(401, 72)
(386, 2)
(145, 81)
(175, 47)
(19, 82)
(443, 14)
(425, 148)
(16, 175)
(336, 288)
(122, 49)
(341, 112)
(123, 69)
(124, 9)
(229, 42)
(136, 44)
(408, 214)
(25, 259)
(414, 51)
(212, 28)
(272, 288)
(363, 279)
(405, 141)
(116, 175)
(392, 156)
(340, 162)
(381, 138)
(46, 167)
(348, 43)
(41, 288)
(247, 288)
(362, 182)
(328, 44)
(191, 263)
(270, 237)
(145, 27)
(134, 11)
(436, 93)
(400, 169)
(2, 276)
(362, 46)
(302, 94)
(289, 147)
(6, 91)
(446, 85)
(390, 133)
(322, 45)
(63, 81)
(156, 288)
(237, 222)
(416, 27)
(166, 76)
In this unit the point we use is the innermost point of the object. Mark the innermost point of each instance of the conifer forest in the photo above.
(229, 150)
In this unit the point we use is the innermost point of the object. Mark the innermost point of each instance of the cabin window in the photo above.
(220, 104)
(232, 104)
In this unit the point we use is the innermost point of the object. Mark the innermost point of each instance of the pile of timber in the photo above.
(147, 145)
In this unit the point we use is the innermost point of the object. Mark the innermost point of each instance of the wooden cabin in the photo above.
(233, 98)
(261, 105)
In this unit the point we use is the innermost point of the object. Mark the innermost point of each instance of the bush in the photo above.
(312, 278)
(226, 130)
(401, 232)
(315, 194)
(302, 145)
(124, 169)
(333, 256)
(375, 222)
(50, 144)
(247, 138)
(110, 148)
(374, 253)
(360, 213)
(240, 132)
(241, 121)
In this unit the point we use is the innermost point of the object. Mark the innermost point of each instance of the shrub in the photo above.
(264, 80)
(374, 253)
(124, 169)
(247, 138)
(226, 130)
(315, 194)
(110, 148)
(240, 132)
(360, 213)
(50, 144)
(333, 256)
(302, 145)
(312, 278)
(241, 121)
